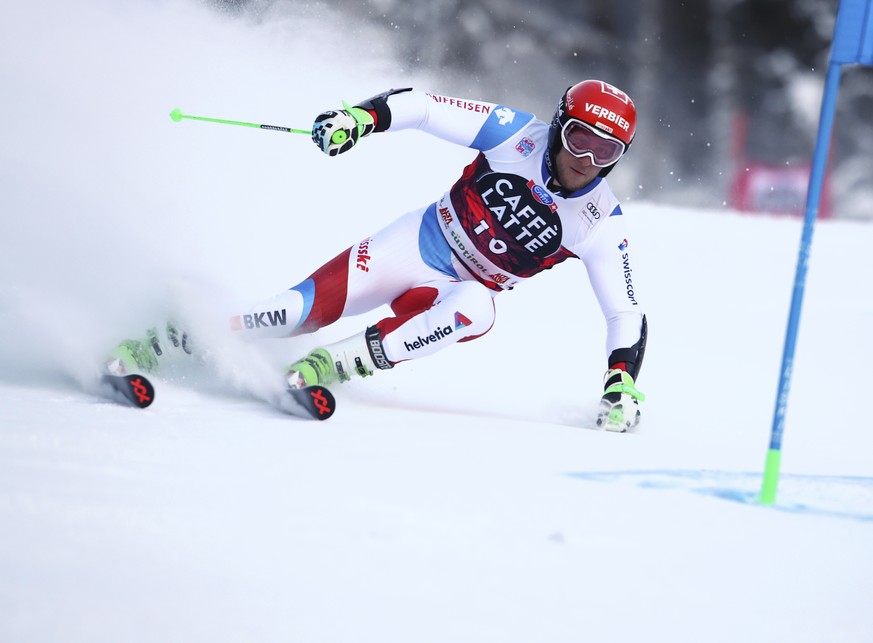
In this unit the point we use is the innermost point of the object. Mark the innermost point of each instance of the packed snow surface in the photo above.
(464, 497)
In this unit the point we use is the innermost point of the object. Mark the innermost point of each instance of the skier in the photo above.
(534, 196)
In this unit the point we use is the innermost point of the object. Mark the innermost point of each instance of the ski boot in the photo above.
(313, 370)
(619, 406)
(142, 355)
(337, 362)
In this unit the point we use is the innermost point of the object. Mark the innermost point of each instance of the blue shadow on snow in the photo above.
(846, 497)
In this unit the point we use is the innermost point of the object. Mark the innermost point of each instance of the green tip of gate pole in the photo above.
(771, 477)
(176, 115)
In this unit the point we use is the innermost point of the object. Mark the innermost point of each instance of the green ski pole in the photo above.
(177, 115)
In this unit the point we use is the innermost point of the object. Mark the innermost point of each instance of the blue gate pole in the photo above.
(852, 43)
(813, 199)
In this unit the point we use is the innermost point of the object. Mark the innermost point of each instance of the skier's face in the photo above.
(574, 173)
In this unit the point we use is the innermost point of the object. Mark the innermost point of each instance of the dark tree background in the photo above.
(718, 84)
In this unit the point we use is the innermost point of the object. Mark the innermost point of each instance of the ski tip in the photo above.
(134, 389)
(318, 402)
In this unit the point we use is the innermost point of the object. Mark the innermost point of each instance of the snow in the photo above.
(464, 497)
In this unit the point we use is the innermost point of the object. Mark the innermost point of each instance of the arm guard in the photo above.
(631, 358)
(378, 106)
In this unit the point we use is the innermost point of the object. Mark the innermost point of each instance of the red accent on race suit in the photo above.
(414, 302)
(331, 288)
(411, 303)
(471, 209)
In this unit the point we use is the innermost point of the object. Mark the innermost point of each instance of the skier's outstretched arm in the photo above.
(476, 124)
(611, 270)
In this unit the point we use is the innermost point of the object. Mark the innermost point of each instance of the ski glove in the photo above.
(619, 406)
(336, 132)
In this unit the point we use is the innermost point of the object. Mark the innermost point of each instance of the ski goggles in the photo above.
(581, 139)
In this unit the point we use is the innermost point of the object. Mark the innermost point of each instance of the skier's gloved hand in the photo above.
(619, 406)
(337, 131)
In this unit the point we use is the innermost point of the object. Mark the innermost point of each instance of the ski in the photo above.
(309, 402)
(130, 389)
(315, 401)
